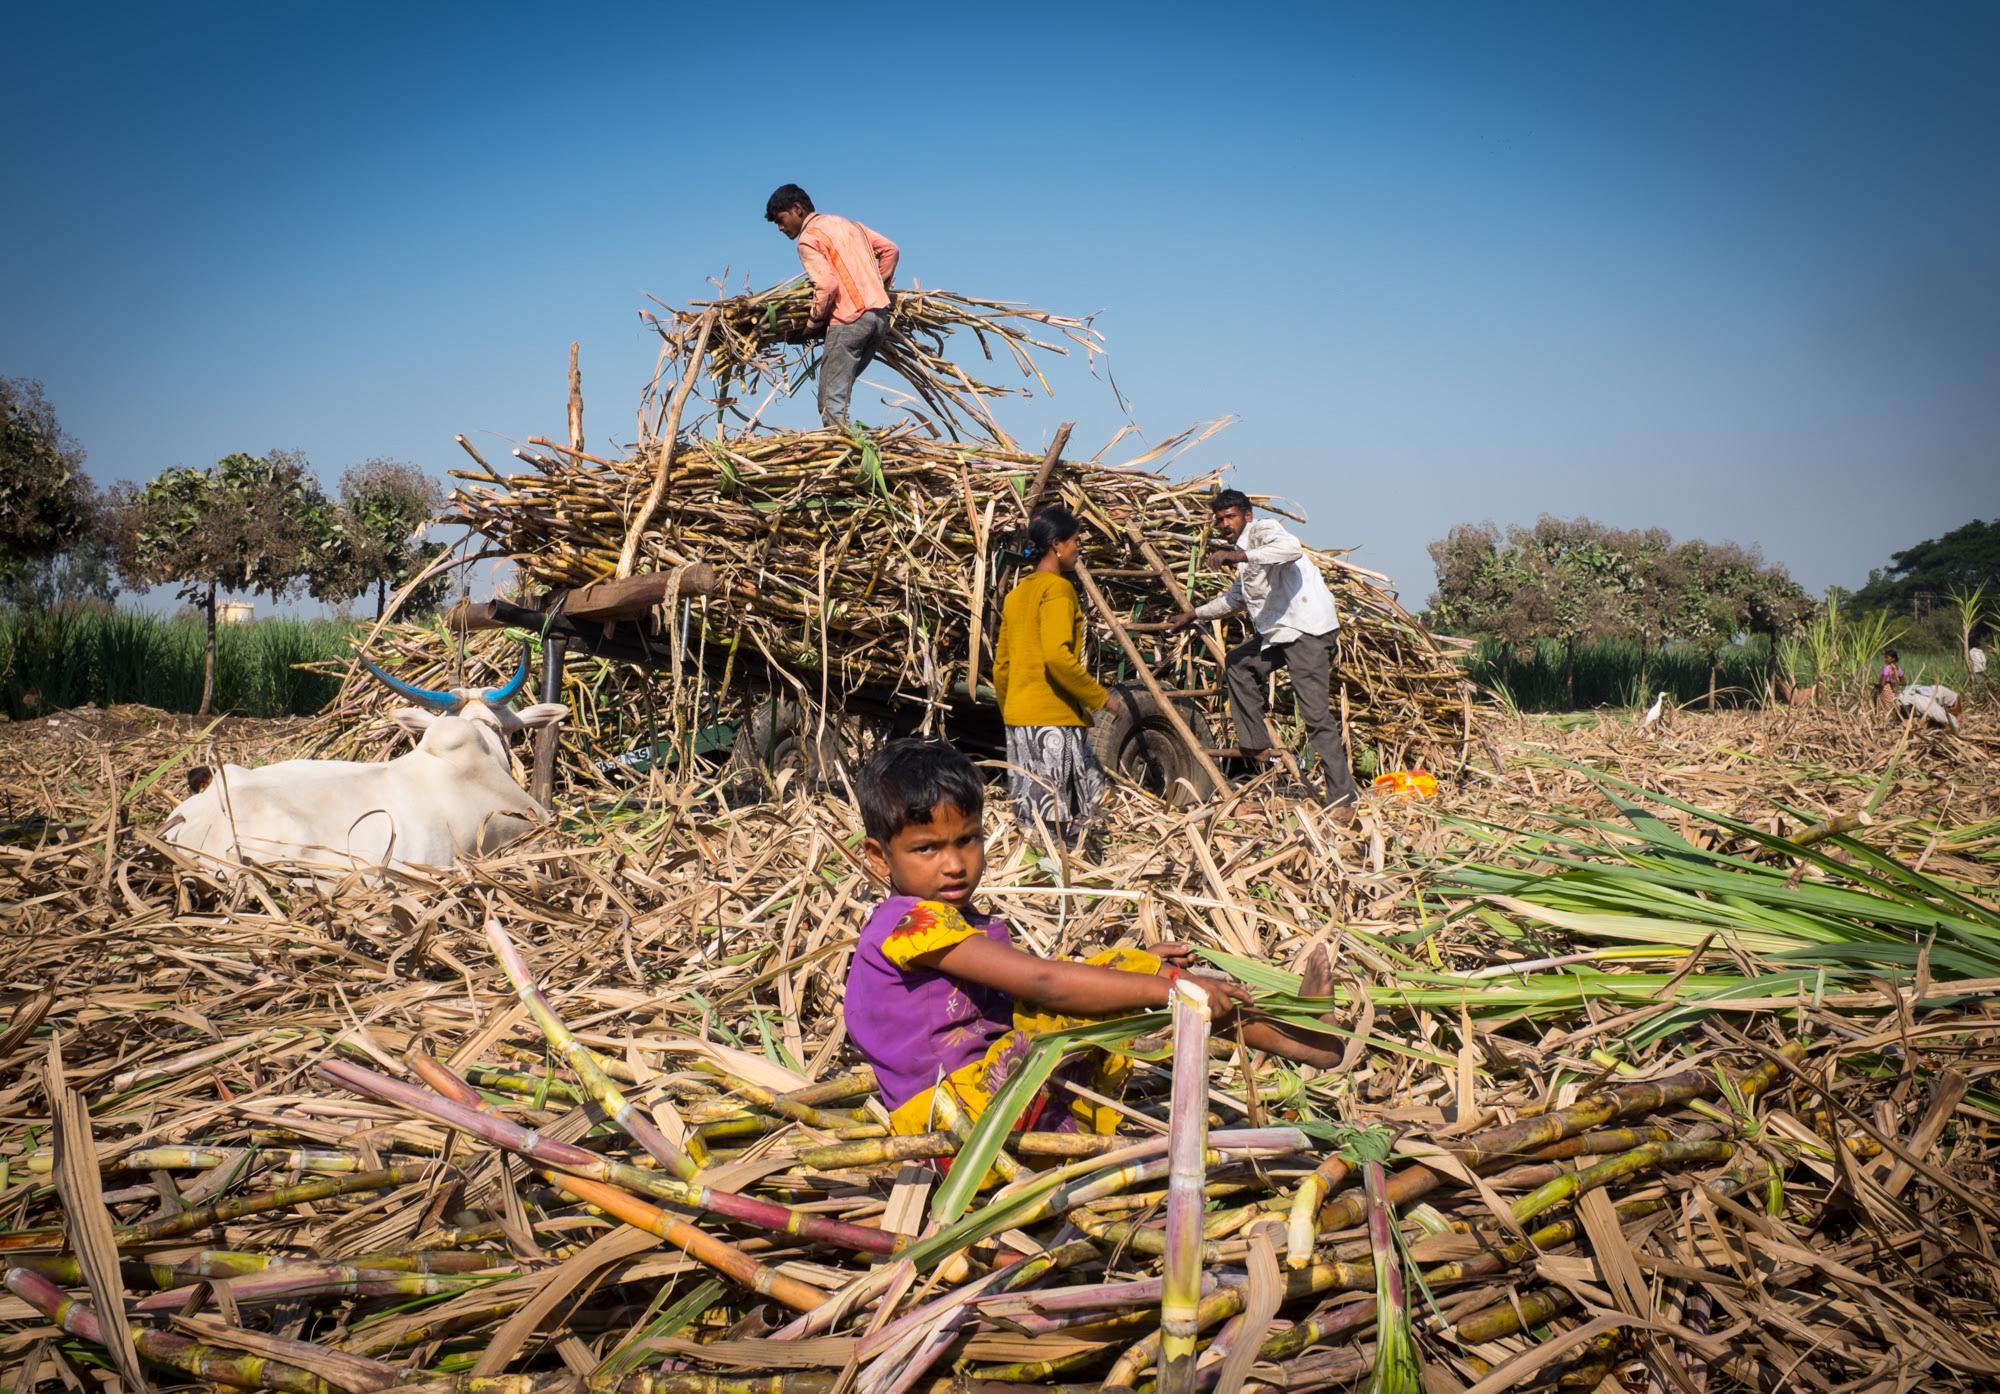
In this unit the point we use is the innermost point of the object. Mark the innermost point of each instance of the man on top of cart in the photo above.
(1292, 612)
(852, 267)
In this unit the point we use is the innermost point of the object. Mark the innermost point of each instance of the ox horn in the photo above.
(441, 701)
(500, 696)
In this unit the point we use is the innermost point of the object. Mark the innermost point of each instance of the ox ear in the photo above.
(415, 720)
(542, 714)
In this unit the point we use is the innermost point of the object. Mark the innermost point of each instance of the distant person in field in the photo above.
(851, 267)
(1047, 697)
(940, 1000)
(1889, 681)
(1975, 663)
(1933, 701)
(1281, 590)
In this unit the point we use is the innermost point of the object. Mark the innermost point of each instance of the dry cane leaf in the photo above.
(87, 1223)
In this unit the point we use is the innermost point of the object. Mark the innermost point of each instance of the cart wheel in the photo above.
(783, 738)
(1143, 746)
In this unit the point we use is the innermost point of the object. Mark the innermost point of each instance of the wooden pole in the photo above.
(575, 402)
(1215, 648)
(544, 781)
(1145, 672)
(672, 432)
(1045, 470)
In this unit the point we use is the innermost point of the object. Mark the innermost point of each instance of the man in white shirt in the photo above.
(1281, 590)
(1975, 664)
(1933, 700)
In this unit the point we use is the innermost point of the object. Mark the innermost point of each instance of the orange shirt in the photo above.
(851, 266)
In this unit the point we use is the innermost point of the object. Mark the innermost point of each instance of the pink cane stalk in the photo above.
(1187, 1189)
(603, 1092)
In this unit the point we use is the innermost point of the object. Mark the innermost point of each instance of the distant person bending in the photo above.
(1933, 701)
(852, 267)
(1046, 695)
(1293, 615)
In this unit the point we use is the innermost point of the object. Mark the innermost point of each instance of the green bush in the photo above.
(51, 660)
(1611, 674)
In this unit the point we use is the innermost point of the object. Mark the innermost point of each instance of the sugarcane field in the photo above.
(842, 846)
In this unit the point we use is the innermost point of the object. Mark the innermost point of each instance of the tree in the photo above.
(84, 572)
(247, 523)
(383, 505)
(47, 505)
(1964, 558)
(1577, 581)
(1571, 580)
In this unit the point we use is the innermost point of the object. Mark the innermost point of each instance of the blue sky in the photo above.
(1728, 270)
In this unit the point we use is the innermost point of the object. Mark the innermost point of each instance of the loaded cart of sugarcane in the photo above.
(771, 599)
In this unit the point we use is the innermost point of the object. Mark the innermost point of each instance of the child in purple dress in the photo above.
(939, 996)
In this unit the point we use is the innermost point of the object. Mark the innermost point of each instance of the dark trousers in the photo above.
(1309, 658)
(850, 348)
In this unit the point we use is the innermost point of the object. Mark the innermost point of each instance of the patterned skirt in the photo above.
(1052, 776)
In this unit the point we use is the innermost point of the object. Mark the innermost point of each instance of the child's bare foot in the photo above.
(1316, 978)
(1297, 1043)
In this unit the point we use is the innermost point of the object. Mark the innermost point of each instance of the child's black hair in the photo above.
(909, 780)
(1049, 526)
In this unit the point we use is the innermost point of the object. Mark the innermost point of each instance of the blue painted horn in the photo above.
(442, 701)
(500, 696)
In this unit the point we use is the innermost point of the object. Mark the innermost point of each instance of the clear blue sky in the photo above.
(1730, 270)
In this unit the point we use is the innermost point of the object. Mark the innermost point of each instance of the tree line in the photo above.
(248, 524)
(1577, 582)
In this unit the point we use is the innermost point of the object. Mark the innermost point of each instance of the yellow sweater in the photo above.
(1037, 673)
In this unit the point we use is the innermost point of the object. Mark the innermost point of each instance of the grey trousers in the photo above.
(850, 348)
(1310, 661)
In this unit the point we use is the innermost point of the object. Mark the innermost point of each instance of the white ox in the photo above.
(453, 796)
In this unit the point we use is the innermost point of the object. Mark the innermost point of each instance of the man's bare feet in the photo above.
(1343, 814)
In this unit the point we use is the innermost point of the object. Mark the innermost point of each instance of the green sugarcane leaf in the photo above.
(989, 1132)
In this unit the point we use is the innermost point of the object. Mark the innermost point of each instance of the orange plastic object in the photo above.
(1418, 782)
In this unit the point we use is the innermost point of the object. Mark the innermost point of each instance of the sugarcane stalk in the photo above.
(797, 1110)
(1396, 1369)
(187, 1355)
(222, 1211)
(1187, 1175)
(695, 1243)
(314, 1161)
(1301, 1233)
(1568, 1188)
(1528, 1135)
(324, 1280)
(562, 1156)
(583, 1060)
(945, 1103)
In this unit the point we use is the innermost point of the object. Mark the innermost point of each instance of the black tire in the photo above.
(784, 737)
(1142, 745)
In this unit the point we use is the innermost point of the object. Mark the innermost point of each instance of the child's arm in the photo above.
(1068, 989)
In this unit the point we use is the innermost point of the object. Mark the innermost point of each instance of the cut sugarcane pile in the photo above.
(1754, 1141)
(749, 347)
(862, 562)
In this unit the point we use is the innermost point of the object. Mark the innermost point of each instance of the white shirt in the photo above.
(1277, 585)
(1976, 661)
(1933, 700)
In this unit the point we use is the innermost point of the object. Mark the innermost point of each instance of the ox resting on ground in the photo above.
(453, 796)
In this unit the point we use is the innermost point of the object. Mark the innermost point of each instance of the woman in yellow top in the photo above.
(1046, 694)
